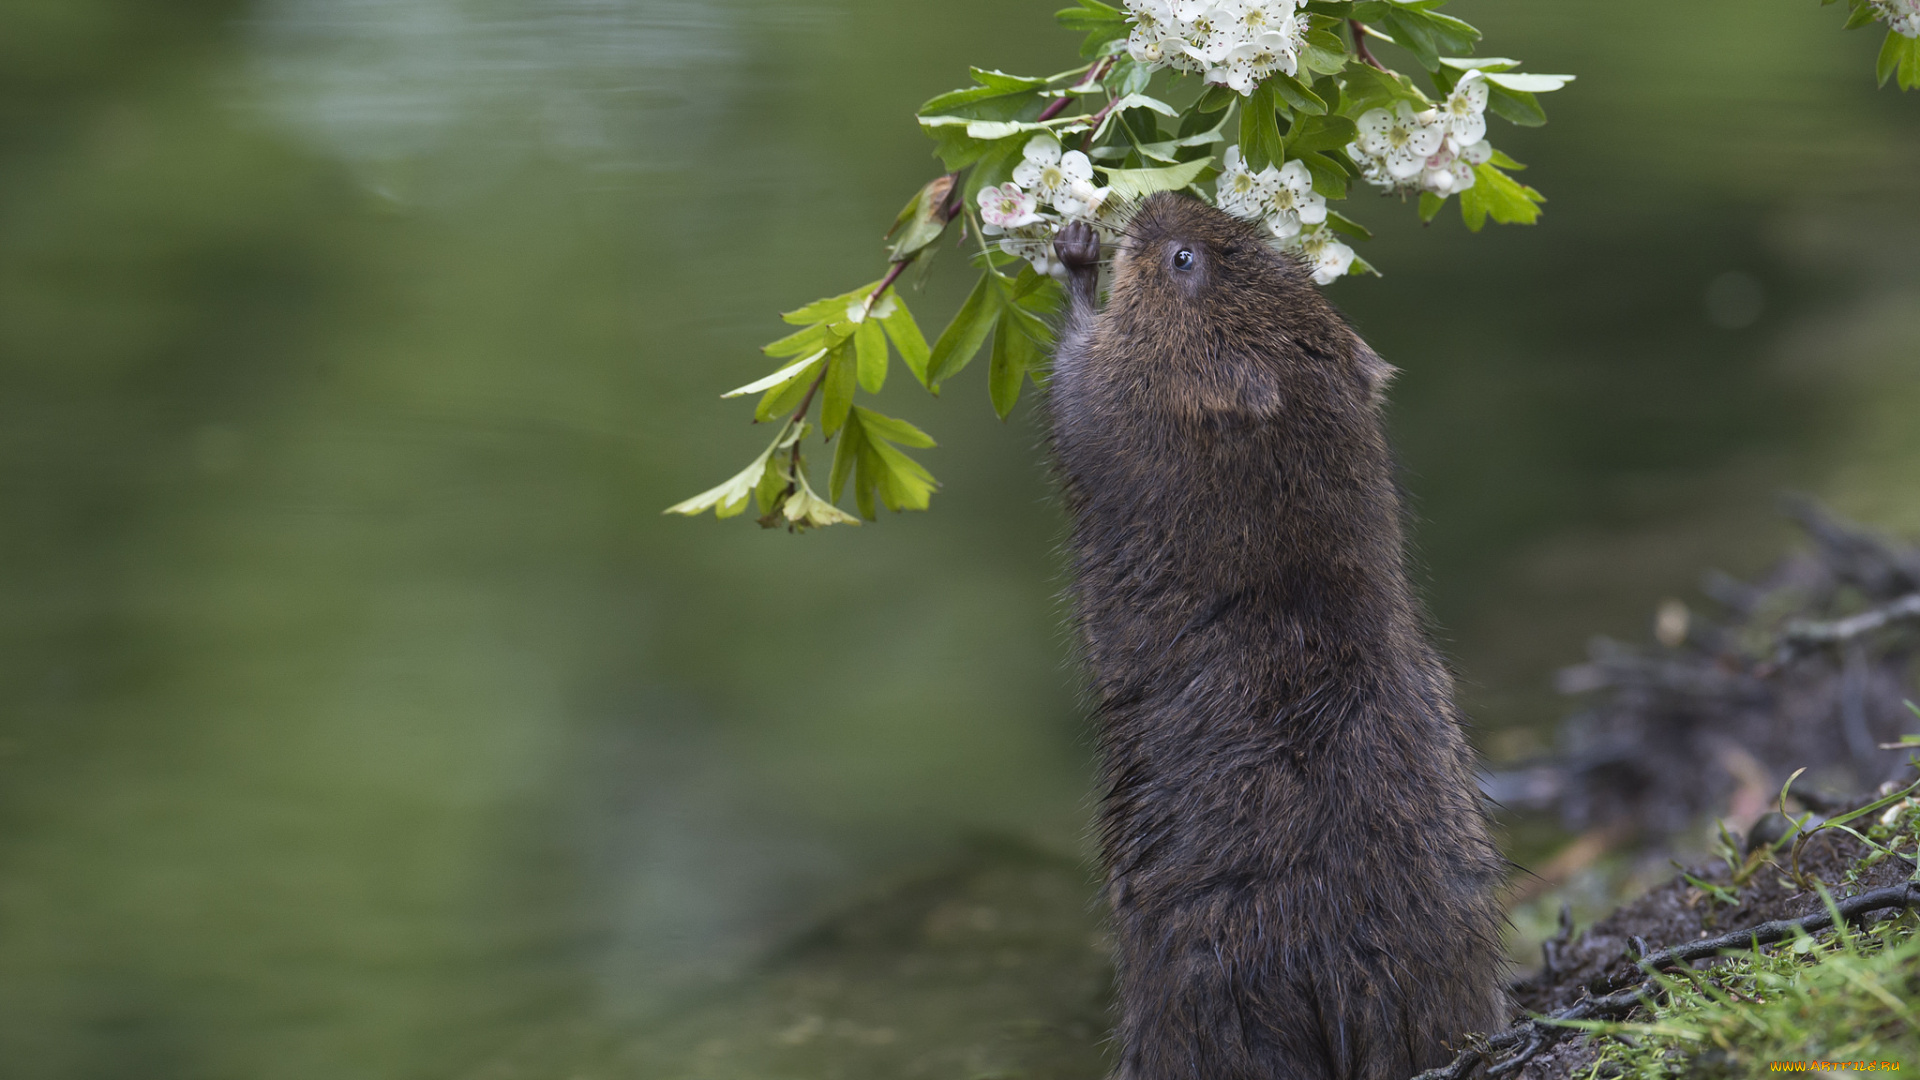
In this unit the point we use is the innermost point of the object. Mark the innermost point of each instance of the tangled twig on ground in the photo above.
(1617, 996)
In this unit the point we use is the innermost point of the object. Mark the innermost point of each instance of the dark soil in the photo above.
(1678, 912)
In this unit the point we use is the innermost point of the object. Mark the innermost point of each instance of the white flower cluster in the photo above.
(1237, 43)
(1283, 198)
(1434, 150)
(1901, 16)
(1046, 179)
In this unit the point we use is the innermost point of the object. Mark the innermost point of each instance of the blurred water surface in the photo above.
(363, 716)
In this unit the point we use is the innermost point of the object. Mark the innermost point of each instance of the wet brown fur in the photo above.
(1299, 865)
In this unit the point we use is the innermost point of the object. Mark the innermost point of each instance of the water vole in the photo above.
(1299, 865)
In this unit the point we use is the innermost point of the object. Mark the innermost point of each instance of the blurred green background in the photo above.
(363, 716)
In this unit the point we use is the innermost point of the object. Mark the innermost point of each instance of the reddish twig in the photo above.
(1360, 46)
(1059, 105)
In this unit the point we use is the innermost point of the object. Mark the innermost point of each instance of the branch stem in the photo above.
(1360, 45)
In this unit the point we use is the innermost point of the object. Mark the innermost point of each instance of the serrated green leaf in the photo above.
(818, 336)
(967, 332)
(1012, 351)
(995, 96)
(827, 310)
(906, 337)
(1341, 223)
(846, 453)
(784, 375)
(922, 221)
(1523, 83)
(1515, 106)
(1139, 183)
(837, 388)
(1089, 15)
(1260, 142)
(1499, 196)
(783, 398)
(893, 429)
(730, 498)
(1370, 88)
(1895, 53)
(1215, 98)
(1294, 93)
(1329, 177)
(870, 349)
(1315, 133)
(1142, 101)
(903, 483)
(1480, 63)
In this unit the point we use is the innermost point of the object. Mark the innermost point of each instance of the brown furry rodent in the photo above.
(1299, 864)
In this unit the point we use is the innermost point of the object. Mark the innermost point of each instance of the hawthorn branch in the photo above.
(1620, 996)
(1059, 105)
(1360, 45)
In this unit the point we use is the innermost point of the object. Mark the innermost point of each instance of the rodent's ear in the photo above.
(1377, 373)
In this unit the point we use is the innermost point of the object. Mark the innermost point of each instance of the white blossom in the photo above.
(1051, 175)
(1327, 257)
(1236, 43)
(1239, 191)
(1033, 243)
(1293, 202)
(1464, 113)
(1401, 140)
(1007, 207)
(1901, 16)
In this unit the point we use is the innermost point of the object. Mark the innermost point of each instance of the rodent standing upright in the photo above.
(1300, 868)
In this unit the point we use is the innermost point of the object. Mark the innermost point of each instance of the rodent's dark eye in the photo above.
(1183, 259)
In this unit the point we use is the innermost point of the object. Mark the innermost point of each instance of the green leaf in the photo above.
(905, 333)
(893, 430)
(784, 375)
(1324, 54)
(1012, 353)
(1515, 106)
(921, 221)
(1341, 223)
(867, 455)
(814, 338)
(1501, 159)
(967, 332)
(1329, 178)
(832, 308)
(1430, 205)
(846, 454)
(1139, 183)
(1499, 196)
(996, 96)
(837, 396)
(1260, 142)
(1899, 55)
(784, 398)
(1479, 63)
(903, 483)
(1370, 88)
(1215, 98)
(1522, 83)
(730, 497)
(1361, 266)
(1293, 93)
(870, 347)
(1312, 133)
(1860, 16)
(1102, 23)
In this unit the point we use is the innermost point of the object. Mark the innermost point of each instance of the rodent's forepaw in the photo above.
(1077, 246)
